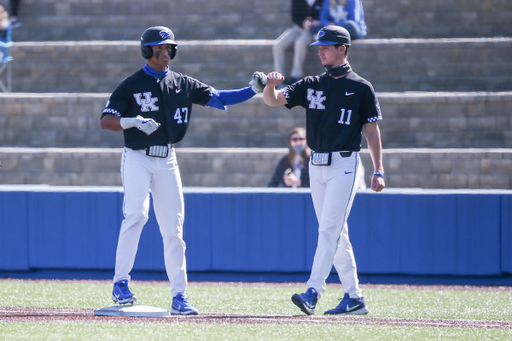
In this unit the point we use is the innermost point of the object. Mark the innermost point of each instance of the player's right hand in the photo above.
(274, 78)
(147, 125)
(377, 183)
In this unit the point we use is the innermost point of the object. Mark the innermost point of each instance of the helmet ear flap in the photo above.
(173, 52)
(146, 51)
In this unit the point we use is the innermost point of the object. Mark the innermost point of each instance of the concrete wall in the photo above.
(429, 140)
(252, 167)
(391, 65)
(261, 19)
(443, 87)
(411, 120)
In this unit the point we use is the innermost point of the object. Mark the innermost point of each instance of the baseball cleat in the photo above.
(122, 294)
(352, 306)
(306, 301)
(181, 306)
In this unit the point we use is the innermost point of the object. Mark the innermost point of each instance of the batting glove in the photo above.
(146, 125)
(259, 80)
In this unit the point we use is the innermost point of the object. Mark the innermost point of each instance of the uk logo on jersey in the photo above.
(147, 103)
(315, 99)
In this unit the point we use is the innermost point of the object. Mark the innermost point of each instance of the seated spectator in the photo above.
(292, 170)
(305, 25)
(4, 22)
(345, 13)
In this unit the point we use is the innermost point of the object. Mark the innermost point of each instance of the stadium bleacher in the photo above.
(441, 70)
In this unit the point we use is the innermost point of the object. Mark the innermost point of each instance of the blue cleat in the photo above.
(180, 306)
(122, 294)
(352, 306)
(306, 301)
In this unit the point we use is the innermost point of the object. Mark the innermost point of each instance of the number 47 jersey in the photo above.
(167, 100)
(336, 110)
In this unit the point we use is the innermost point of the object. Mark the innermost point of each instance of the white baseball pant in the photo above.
(140, 174)
(333, 189)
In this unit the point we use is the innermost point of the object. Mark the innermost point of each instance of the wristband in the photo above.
(378, 173)
(128, 122)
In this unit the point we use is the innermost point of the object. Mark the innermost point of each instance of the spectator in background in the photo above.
(15, 7)
(345, 13)
(4, 23)
(305, 25)
(293, 168)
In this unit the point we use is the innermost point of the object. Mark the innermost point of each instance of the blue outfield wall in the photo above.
(399, 235)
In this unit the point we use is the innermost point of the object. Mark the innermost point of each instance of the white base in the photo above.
(132, 310)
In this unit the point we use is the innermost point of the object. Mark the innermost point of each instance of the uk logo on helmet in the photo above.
(321, 33)
(164, 35)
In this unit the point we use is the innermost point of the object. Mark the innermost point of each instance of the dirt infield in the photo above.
(31, 315)
(27, 314)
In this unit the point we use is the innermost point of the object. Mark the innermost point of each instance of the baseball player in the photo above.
(339, 106)
(153, 107)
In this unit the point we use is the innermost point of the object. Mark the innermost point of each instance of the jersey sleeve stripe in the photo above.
(375, 118)
(111, 111)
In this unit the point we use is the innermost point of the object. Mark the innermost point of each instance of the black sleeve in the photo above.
(118, 102)
(295, 94)
(201, 92)
(277, 176)
(370, 106)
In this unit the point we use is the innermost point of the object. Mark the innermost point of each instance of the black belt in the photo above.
(324, 159)
(170, 145)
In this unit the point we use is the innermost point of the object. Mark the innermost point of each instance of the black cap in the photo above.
(332, 35)
(157, 35)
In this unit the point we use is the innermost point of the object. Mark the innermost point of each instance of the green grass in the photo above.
(427, 304)
(213, 332)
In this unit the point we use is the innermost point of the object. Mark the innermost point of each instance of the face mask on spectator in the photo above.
(299, 149)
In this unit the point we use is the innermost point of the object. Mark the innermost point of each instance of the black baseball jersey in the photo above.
(168, 101)
(336, 110)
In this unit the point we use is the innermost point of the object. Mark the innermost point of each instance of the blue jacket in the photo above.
(351, 13)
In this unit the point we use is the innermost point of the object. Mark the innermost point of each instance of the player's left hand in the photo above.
(147, 125)
(378, 183)
(258, 82)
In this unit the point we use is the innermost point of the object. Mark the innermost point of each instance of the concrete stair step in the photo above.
(411, 120)
(252, 167)
(127, 19)
(392, 65)
(232, 19)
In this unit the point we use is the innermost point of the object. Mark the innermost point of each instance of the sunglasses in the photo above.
(297, 139)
